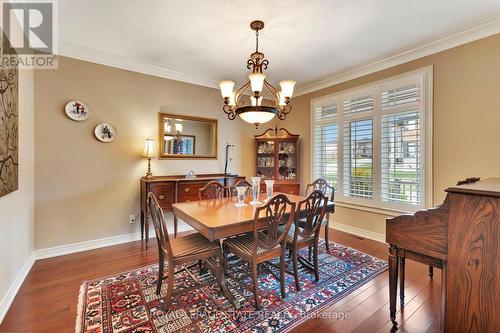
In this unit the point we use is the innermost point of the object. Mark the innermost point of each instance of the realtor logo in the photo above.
(29, 34)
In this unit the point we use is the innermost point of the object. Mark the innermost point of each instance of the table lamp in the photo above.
(149, 153)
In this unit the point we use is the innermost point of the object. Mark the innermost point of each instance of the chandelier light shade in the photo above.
(255, 112)
(168, 131)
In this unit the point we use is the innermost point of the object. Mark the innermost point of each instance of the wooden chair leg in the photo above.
(282, 275)
(431, 272)
(295, 269)
(170, 288)
(175, 226)
(327, 233)
(200, 267)
(316, 262)
(255, 286)
(160, 276)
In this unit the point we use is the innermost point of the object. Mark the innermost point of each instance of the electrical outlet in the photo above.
(131, 219)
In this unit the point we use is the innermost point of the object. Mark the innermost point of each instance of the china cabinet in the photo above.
(277, 158)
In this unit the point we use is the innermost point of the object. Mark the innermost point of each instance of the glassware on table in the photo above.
(255, 191)
(241, 191)
(269, 188)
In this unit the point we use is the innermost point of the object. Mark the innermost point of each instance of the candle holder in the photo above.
(255, 191)
(241, 191)
(269, 188)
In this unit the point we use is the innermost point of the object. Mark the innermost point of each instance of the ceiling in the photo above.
(307, 41)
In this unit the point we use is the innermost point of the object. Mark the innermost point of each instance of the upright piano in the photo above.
(461, 237)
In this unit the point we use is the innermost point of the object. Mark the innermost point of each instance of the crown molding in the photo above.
(466, 35)
(109, 59)
(484, 29)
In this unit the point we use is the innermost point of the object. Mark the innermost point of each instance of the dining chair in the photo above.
(180, 251)
(265, 243)
(306, 234)
(322, 185)
(213, 190)
(240, 183)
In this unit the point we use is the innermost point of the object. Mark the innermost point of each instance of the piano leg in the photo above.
(402, 281)
(443, 296)
(393, 282)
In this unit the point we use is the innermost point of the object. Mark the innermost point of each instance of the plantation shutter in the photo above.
(361, 104)
(325, 141)
(401, 143)
(358, 158)
(374, 143)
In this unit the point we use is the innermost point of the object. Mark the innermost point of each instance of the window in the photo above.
(373, 143)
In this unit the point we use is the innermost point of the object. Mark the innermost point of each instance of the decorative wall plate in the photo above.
(77, 110)
(105, 132)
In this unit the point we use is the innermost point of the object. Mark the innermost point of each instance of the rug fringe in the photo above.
(79, 309)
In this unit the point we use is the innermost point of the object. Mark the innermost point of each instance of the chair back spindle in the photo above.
(160, 226)
(279, 210)
(213, 190)
(322, 185)
(314, 207)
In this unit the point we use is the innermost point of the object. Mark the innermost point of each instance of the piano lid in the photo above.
(489, 187)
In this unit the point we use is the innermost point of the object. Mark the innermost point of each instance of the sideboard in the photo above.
(173, 189)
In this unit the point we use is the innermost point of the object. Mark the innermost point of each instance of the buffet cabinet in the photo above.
(277, 158)
(172, 189)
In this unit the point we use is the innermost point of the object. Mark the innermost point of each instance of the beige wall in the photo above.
(85, 189)
(466, 119)
(17, 208)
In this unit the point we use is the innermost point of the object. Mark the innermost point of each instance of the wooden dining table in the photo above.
(217, 219)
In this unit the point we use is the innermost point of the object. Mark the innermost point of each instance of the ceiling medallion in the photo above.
(255, 113)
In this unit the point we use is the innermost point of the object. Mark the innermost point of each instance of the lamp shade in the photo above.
(256, 117)
(226, 88)
(178, 127)
(257, 81)
(281, 101)
(149, 149)
(287, 88)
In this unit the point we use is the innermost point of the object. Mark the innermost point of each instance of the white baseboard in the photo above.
(359, 232)
(94, 244)
(14, 287)
(63, 250)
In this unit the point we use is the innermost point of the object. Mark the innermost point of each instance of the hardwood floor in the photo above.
(47, 300)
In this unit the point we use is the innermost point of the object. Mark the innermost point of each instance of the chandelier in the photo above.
(256, 113)
(169, 134)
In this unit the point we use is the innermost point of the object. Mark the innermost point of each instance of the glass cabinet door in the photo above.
(265, 159)
(287, 159)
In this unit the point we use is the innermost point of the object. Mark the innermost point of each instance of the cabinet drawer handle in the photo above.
(187, 189)
(161, 197)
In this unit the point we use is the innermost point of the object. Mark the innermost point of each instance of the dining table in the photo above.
(217, 219)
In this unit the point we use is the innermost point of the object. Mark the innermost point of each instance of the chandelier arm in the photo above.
(239, 93)
(273, 91)
(231, 115)
(284, 111)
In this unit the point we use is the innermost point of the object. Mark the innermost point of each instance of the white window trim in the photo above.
(426, 74)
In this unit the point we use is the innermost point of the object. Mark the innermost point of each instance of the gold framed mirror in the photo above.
(186, 137)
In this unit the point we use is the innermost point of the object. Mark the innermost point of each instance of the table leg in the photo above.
(221, 279)
(393, 282)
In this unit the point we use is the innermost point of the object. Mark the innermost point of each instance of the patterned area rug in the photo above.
(127, 303)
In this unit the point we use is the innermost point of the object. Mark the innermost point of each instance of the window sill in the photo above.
(371, 209)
